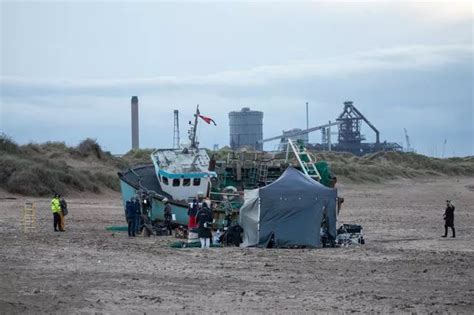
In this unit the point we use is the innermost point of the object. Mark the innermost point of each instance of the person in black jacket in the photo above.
(130, 214)
(449, 218)
(138, 212)
(204, 219)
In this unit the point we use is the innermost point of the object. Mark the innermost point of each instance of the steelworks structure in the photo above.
(349, 135)
(246, 131)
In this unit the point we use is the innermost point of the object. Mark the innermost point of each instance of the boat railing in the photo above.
(227, 194)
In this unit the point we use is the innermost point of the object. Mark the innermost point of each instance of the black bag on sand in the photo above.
(233, 236)
(162, 230)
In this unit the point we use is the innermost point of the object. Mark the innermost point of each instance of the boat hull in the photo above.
(143, 179)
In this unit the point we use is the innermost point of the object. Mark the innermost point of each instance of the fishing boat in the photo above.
(179, 175)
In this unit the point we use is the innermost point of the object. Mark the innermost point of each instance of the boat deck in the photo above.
(144, 177)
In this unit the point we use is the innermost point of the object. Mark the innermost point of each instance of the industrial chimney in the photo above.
(135, 144)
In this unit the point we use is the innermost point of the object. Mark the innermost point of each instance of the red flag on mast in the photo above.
(207, 119)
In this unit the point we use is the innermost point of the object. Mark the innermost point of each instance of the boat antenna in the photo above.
(194, 144)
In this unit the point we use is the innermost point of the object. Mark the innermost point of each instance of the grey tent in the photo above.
(289, 211)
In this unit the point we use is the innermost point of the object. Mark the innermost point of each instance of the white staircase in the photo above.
(305, 160)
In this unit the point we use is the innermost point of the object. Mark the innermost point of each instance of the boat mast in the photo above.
(194, 144)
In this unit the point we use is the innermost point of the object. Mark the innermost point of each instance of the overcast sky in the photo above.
(68, 70)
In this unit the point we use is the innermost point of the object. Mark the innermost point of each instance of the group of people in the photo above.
(132, 214)
(200, 217)
(199, 213)
(59, 209)
(137, 213)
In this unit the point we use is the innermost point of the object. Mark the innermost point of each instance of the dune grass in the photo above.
(42, 169)
(381, 166)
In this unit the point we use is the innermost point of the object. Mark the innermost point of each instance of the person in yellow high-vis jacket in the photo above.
(56, 209)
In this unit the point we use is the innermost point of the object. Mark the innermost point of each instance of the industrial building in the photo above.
(349, 135)
(246, 129)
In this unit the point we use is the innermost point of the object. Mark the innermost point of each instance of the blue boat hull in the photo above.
(144, 178)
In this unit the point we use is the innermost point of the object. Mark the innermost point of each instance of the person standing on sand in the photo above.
(146, 204)
(193, 209)
(449, 218)
(130, 216)
(204, 219)
(63, 213)
(168, 216)
(227, 205)
(56, 209)
(137, 214)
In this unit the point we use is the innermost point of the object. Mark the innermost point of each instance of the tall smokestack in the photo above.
(135, 144)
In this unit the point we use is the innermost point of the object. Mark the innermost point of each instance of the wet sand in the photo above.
(405, 265)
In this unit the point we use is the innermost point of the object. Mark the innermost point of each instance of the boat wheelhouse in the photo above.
(177, 175)
(183, 173)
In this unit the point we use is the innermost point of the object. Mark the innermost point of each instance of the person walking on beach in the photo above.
(63, 213)
(204, 219)
(449, 218)
(56, 209)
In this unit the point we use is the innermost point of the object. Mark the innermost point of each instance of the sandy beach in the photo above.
(405, 265)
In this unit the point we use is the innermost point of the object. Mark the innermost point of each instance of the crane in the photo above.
(298, 133)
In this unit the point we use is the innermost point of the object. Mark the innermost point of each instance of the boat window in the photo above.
(176, 182)
(196, 181)
(165, 180)
(186, 182)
